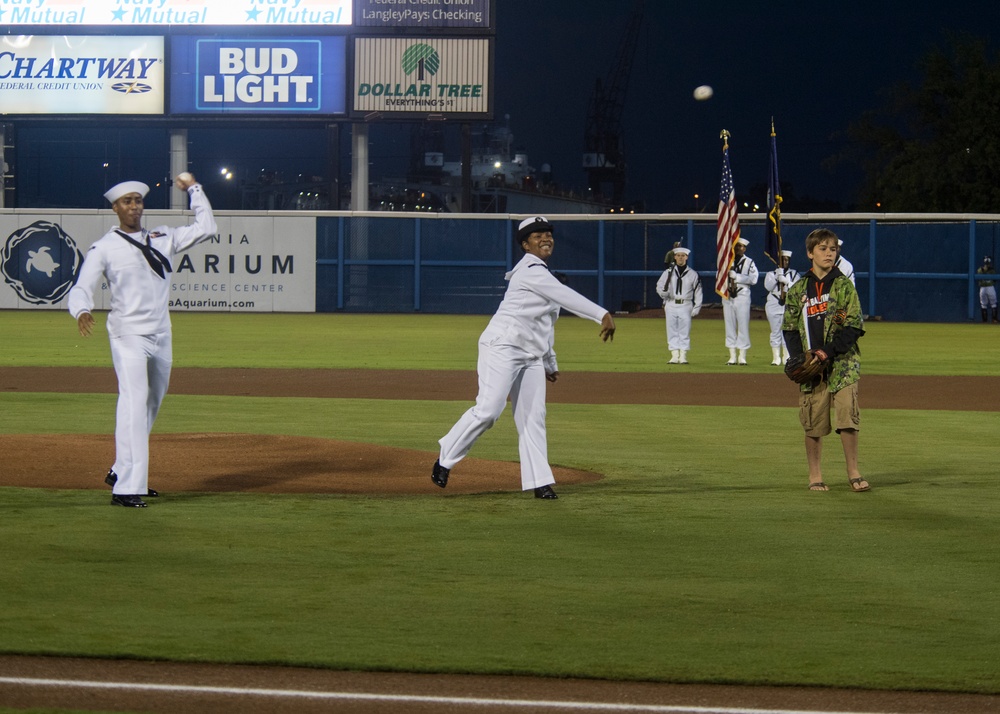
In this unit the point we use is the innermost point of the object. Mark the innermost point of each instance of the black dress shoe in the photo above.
(545, 492)
(112, 478)
(440, 474)
(127, 500)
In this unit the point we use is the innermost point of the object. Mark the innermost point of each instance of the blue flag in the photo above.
(772, 229)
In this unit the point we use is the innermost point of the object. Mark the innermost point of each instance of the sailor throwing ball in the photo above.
(136, 264)
(516, 357)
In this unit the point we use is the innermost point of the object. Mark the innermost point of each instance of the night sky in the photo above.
(815, 67)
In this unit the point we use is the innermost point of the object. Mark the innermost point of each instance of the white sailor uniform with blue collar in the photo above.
(777, 282)
(515, 355)
(736, 309)
(139, 329)
(846, 267)
(680, 289)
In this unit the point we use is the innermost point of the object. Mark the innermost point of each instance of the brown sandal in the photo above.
(818, 486)
(857, 487)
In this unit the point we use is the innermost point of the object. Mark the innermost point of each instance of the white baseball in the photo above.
(185, 176)
(703, 92)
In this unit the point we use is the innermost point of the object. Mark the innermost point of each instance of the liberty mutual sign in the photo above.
(170, 13)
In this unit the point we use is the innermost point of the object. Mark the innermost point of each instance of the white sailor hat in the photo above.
(742, 241)
(535, 224)
(682, 251)
(124, 188)
(786, 254)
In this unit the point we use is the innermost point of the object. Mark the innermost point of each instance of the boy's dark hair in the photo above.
(818, 236)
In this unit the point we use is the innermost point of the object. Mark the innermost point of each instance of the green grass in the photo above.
(449, 342)
(699, 557)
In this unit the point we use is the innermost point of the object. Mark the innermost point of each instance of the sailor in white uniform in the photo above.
(680, 288)
(736, 308)
(516, 357)
(843, 263)
(777, 282)
(136, 265)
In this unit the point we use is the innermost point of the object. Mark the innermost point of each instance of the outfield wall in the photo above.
(908, 267)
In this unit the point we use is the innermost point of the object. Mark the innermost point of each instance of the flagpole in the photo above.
(730, 283)
(772, 235)
(728, 224)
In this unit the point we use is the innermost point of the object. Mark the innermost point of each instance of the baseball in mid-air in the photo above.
(185, 176)
(703, 92)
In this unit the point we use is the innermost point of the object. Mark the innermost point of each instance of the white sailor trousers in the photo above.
(678, 316)
(142, 363)
(506, 370)
(736, 314)
(775, 316)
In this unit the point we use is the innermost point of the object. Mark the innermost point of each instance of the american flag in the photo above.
(772, 238)
(728, 227)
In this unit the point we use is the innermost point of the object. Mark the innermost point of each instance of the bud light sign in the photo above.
(258, 76)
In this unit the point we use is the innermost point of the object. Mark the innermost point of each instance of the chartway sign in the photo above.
(258, 76)
(128, 13)
(81, 75)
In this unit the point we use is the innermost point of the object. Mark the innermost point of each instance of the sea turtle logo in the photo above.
(422, 59)
(40, 262)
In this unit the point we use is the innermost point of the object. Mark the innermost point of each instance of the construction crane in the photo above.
(604, 151)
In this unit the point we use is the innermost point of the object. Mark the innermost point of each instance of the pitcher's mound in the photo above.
(254, 462)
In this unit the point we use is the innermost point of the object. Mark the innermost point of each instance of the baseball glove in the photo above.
(804, 369)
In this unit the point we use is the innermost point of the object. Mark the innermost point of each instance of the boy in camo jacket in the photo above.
(823, 318)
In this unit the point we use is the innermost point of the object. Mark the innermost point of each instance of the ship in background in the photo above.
(501, 180)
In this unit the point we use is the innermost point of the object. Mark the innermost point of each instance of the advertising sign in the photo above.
(171, 13)
(302, 75)
(39, 262)
(429, 75)
(253, 263)
(81, 75)
(423, 13)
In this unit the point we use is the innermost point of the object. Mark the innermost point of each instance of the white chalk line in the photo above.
(403, 698)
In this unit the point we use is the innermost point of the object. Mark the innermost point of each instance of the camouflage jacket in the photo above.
(843, 310)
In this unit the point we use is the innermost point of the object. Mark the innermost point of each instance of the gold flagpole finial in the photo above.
(772, 127)
(724, 135)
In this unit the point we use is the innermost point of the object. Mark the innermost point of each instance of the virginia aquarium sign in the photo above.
(40, 262)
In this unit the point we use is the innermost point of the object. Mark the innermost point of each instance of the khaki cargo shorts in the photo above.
(814, 410)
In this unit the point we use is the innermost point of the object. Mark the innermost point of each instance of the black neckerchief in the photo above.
(679, 290)
(157, 260)
(561, 277)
